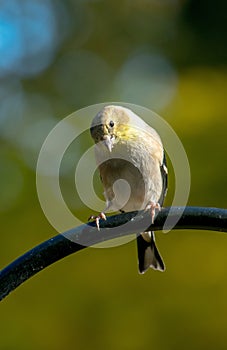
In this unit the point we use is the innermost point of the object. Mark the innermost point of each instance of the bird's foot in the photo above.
(97, 218)
(152, 206)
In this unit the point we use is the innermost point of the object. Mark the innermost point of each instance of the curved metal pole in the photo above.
(56, 248)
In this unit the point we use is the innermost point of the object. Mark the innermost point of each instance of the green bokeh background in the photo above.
(96, 299)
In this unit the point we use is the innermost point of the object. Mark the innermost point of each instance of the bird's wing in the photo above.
(164, 174)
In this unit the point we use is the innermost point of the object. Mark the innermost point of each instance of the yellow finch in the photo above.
(133, 171)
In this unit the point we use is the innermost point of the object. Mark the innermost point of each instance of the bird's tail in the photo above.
(148, 254)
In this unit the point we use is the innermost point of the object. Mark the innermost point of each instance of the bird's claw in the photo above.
(152, 206)
(97, 218)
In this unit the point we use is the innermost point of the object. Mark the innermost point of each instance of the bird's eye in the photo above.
(111, 124)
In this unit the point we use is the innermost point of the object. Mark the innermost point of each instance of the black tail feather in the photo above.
(148, 254)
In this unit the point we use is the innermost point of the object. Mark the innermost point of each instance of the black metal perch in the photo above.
(56, 248)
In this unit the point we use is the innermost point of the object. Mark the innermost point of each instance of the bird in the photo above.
(133, 170)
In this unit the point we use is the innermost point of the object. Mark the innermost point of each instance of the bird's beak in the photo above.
(108, 142)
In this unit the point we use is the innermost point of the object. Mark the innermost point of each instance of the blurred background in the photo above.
(59, 56)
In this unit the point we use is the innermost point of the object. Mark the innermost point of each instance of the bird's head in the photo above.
(110, 126)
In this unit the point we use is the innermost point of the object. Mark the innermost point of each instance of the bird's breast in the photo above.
(139, 171)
